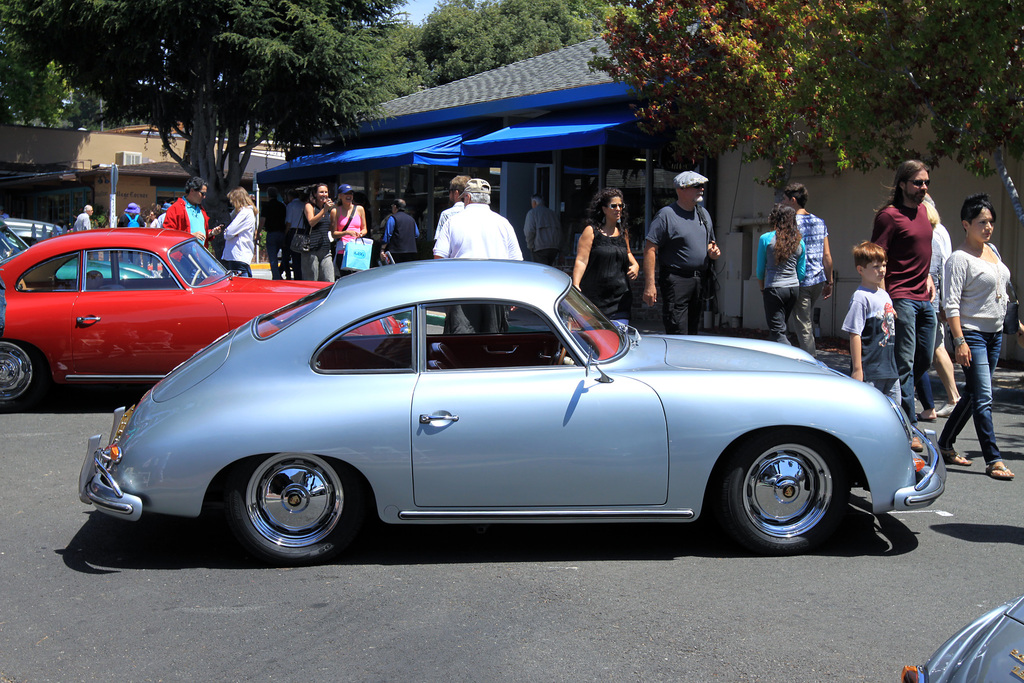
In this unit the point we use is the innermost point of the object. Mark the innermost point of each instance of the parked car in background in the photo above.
(990, 649)
(115, 306)
(10, 243)
(32, 231)
(480, 392)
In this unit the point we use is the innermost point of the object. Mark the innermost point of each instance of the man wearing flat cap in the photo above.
(681, 240)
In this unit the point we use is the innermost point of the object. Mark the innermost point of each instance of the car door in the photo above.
(488, 435)
(133, 318)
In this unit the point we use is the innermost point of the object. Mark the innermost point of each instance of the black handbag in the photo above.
(300, 240)
(1011, 320)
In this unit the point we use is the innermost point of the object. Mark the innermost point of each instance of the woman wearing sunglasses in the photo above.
(604, 263)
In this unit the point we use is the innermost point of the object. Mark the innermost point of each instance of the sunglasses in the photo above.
(615, 206)
(921, 183)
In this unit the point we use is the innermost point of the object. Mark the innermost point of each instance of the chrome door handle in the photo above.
(427, 419)
(87, 320)
(488, 349)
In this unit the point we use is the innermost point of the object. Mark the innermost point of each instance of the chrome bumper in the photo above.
(931, 479)
(96, 486)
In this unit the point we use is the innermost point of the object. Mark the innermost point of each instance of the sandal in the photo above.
(953, 458)
(998, 470)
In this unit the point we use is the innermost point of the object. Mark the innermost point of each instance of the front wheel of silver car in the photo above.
(24, 377)
(294, 509)
(783, 493)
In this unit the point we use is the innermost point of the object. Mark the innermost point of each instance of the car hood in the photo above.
(251, 285)
(731, 354)
(987, 649)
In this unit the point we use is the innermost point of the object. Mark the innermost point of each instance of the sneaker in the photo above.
(916, 445)
(946, 410)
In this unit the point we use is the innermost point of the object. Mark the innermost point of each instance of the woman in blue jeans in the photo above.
(781, 265)
(975, 282)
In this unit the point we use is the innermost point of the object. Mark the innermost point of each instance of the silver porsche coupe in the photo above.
(482, 392)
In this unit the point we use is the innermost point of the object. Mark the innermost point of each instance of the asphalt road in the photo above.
(88, 598)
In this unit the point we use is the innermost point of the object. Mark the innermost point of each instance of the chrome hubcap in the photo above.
(294, 500)
(15, 371)
(787, 490)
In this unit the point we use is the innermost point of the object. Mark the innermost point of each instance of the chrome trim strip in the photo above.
(114, 378)
(534, 515)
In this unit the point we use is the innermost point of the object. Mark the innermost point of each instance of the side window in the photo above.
(115, 269)
(489, 335)
(384, 343)
(56, 275)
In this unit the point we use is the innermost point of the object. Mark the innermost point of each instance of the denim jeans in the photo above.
(976, 399)
(915, 334)
(778, 304)
(803, 316)
(277, 251)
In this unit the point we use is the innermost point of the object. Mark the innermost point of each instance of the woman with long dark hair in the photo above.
(781, 263)
(975, 296)
(604, 263)
(317, 263)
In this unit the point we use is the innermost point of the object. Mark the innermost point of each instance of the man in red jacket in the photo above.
(187, 214)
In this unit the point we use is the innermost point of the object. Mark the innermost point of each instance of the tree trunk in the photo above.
(1008, 184)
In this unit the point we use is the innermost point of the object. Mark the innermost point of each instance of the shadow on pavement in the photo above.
(107, 545)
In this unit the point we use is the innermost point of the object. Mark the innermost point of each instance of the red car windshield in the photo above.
(195, 265)
(589, 326)
(275, 321)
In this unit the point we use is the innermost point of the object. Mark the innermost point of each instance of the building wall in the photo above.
(847, 204)
(73, 148)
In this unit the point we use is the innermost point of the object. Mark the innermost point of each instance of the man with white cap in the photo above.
(477, 232)
(683, 234)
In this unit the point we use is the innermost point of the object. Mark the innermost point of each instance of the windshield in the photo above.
(195, 265)
(10, 244)
(589, 326)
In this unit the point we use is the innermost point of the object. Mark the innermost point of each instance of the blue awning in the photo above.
(565, 130)
(434, 149)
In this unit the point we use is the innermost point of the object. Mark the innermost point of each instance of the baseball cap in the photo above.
(478, 185)
(344, 188)
(689, 179)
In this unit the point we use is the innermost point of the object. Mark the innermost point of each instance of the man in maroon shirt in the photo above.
(902, 228)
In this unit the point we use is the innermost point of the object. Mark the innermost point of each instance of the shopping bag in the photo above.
(357, 254)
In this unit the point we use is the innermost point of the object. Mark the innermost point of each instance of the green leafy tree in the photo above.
(28, 94)
(462, 38)
(224, 75)
(952, 67)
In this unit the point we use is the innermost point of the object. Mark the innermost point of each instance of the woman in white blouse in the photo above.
(240, 234)
(975, 296)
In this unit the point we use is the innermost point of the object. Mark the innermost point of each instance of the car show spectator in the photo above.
(240, 233)
(130, 218)
(317, 264)
(455, 189)
(477, 231)
(348, 219)
(605, 266)
(817, 282)
(292, 264)
(903, 230)
(543, 232)
(681, 243)
(871, 322)
(84, 220)
(187, 213)
(781, 265)
(400, 233)
(273, 221)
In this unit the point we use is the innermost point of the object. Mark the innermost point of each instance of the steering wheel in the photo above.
(196, 277)
(560, 359)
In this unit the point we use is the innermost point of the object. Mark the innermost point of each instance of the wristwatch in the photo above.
(959, 341)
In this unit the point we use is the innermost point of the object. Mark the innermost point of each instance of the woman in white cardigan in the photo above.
(240, 234)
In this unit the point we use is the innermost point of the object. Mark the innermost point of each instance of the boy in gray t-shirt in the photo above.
(871, 322)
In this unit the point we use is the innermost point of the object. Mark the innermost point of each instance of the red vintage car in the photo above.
(113, 306)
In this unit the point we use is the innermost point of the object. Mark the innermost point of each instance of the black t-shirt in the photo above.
(273, 216)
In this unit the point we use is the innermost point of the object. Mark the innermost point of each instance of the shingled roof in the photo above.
(560, 70)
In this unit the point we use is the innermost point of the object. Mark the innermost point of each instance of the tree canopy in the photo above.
(461, 38)
(224, 75)
(840, 82)
(28, 94)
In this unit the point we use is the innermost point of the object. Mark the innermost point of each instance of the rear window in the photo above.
(270, 324)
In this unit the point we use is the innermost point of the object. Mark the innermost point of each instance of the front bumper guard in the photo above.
(96, 485)
(931, 479)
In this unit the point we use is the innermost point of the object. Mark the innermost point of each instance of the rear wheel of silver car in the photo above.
(294, 509)
(24, 377)
(783, 493)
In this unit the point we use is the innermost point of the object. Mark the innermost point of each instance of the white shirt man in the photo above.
(478, 232)
(84, 220)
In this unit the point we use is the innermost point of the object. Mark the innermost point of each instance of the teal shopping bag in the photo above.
(357, 254)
